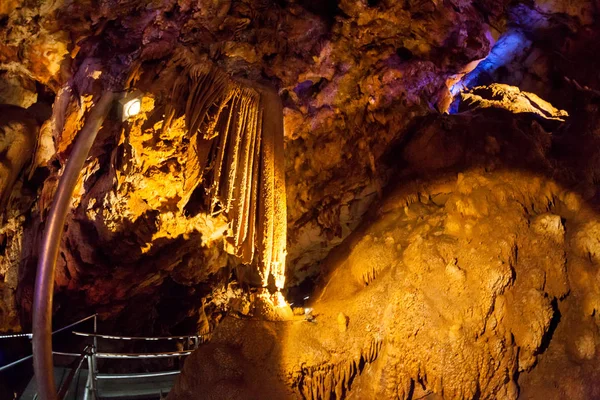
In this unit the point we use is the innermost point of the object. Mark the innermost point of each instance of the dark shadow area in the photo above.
(553, 325)
(326, 9)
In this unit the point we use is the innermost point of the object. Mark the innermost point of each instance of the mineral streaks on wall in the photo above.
(236, 151)
(334, 381)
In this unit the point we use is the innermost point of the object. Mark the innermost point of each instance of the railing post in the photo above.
(95, 330)
(94, 359)
(43, 364)
(94, 373)
(90, 385)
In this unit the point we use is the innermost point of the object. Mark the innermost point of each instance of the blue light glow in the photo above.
(510, 46)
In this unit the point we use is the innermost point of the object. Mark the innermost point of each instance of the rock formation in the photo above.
(455, 286)
(240, 144)
(436, 234)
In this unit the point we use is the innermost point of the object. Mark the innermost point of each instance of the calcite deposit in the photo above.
(455, 286)
(435, 237)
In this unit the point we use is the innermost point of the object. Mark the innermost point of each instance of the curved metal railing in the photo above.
(41, 337)
(30, 336)
(43, 364)
(91, 354)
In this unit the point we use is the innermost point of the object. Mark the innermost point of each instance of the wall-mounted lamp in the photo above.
(130, 104)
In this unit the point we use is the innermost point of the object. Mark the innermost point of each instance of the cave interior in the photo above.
(336, 199)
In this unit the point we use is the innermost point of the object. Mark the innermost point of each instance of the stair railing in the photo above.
(44, 284)
(91, 354)
(30, 336)
(193, 342)
(75, 368)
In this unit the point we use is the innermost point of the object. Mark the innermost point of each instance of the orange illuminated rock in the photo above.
(236, 140)
(18, 134)
(512, 99)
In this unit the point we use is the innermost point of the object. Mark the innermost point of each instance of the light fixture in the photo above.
(130, 104)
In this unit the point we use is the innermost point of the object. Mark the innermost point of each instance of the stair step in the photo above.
(138, 386)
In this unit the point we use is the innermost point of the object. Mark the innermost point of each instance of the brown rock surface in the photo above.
(455, 286)
(475, 276)
(351, 77)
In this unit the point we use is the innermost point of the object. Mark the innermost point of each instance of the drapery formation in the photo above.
(236, 153)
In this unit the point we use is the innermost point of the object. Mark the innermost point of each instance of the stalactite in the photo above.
(370, 275)
(236, 152)
(326, 381)
(274, 123)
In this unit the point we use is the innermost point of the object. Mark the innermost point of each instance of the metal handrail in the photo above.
(76, 366)
(91, 355)
(44, 284)
(149, 338)
(140, 375)
(12, 364)
(16, 335)
(145, 355)
(30, 335)
(56, 353)
(74, 323)
(62, 353)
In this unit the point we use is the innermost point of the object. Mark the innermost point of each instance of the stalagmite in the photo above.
(236, 151)
(273, 123)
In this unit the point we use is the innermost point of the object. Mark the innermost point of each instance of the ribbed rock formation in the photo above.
(18, 136)
(236, 152)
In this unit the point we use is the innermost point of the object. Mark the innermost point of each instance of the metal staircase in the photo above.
(82, 379)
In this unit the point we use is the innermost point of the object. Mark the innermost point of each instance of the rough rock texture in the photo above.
(456, 286)
(352, 77)
(18, 134)
(512, 99)
(489, 252)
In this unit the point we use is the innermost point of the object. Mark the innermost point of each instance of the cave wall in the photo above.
(452, 256)
(474, 278)
(352, 76)
(356, 79)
